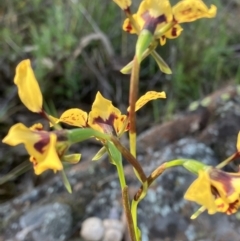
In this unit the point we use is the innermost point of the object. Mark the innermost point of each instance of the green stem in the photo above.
(155, 174)
(80, 134)
(134, 207)
(121, 176)
(125, 199)
(174, 163)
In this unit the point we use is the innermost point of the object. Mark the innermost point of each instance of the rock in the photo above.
(113, 235)
(51, 222)
(114, 230)
(113, 224)
(187, 148)
(92, 229)
(184, 148)
(167, 227)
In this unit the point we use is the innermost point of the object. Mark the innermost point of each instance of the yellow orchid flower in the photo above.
(163, 20)
(106, 118)
(41, 146)
(28, 89)
(152, 14)
(216, 190)
(123, 4)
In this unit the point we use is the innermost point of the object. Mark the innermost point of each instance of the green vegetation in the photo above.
(74, 46)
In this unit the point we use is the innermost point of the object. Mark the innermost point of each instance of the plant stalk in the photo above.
(133, 94)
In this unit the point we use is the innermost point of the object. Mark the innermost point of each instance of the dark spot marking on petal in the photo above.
(174, 32)
(45, 138)
(224, 178)
(186, 11)
(39, 128)
(129, 27)
(34, 161)
(151, 22)
(161, 19)
(163, 37)
(127, 10)
(108, 124)
(232, 207)
(220, 206)
(215, 192)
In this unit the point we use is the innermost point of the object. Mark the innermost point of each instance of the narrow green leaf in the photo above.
(99, 154)
(66, 182)
(161, 63)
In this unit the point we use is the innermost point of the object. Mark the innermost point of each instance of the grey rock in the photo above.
(51, 222)
(92, 229)
(189, 148)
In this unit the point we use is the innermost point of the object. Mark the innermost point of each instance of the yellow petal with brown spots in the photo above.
(150, 95)
(191, 10)
(128, 27)
(74, 117)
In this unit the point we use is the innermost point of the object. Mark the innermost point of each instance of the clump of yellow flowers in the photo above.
(154, 22)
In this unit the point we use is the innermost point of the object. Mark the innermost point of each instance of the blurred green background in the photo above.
(77, 48)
